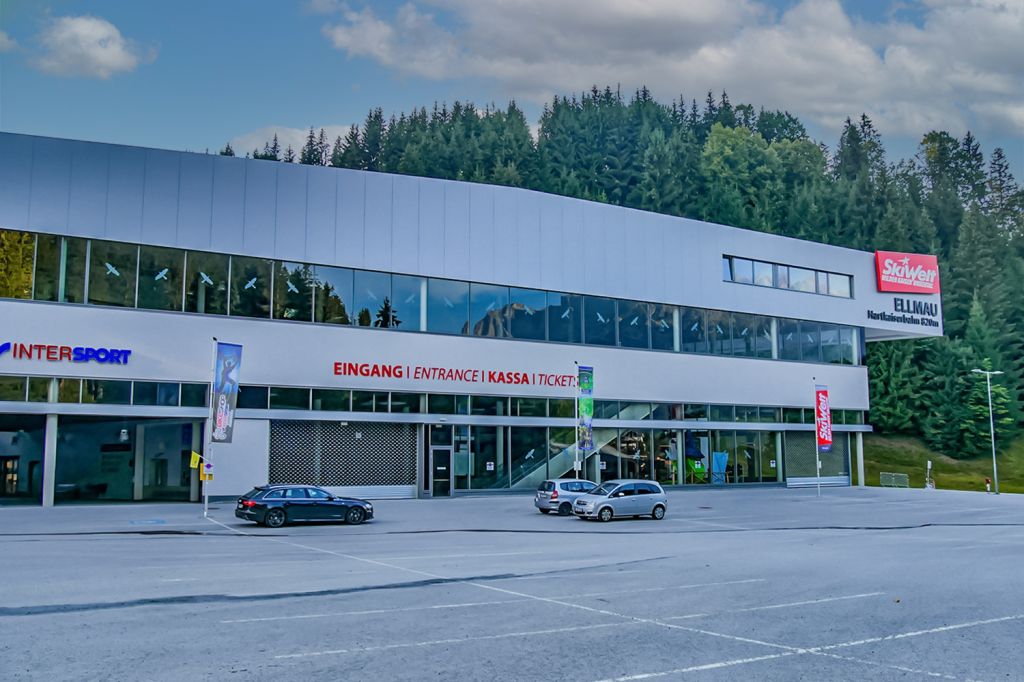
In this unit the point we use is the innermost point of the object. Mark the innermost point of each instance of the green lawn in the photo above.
(906, 455)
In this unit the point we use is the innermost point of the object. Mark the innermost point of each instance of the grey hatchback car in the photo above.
(558, 494)
(623, 497)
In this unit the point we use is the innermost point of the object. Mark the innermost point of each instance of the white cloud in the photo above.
(958, 68)
(87, 46)
(296, 137)
(7, 43)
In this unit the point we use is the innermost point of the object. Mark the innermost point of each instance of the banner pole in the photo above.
(209, 431)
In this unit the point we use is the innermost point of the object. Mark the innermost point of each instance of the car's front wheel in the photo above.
(658, 513)
(605, 514)
(355, 516)
(564, 509)
(275, 518)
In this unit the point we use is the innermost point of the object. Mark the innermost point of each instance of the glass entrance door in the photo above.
(441, 471)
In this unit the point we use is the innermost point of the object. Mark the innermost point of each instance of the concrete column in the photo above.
(50, 449)
(140, 461)
(778, 456)
(775, 339)
(197, 446)
(677, 332)
(423, 305)
(860, 459)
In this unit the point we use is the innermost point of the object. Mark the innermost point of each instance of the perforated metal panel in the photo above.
(332, 454)
(799, 455)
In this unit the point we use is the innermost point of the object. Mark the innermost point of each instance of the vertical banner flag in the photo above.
(225, 390)
(823, 418)
(585, 400)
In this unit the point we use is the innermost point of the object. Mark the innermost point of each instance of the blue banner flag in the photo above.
(225, 390)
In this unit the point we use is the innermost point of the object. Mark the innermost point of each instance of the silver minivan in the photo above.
(623, 497)
(558, 494)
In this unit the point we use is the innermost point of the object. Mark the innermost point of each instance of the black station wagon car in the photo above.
(276, 505)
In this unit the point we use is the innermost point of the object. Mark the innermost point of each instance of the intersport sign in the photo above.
(907, 272)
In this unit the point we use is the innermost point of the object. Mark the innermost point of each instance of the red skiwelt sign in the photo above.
(907, 272)
(822, 418)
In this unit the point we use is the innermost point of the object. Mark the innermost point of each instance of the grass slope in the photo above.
(907, 455)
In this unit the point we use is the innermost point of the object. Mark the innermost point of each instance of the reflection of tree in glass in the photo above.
(386, 315)
(331, 307)
(292, 296)
(363, 318)
(16, 250)
(250, 287)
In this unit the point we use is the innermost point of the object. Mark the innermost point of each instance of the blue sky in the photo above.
(194, 74)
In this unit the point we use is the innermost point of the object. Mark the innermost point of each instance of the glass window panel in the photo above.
(564, 315)
(286, 398)
(839, 285)
(38, 389)
(748, 457)
(155, 393)
(561, 448)
(764, 274)
(332, 295)
(529, 407)
(112, 270)
(12, 388)
(846, 345)
(666, 457)
(406, 299)
(633, 324)
(406, 403)
(334, 400)
(447, 306)
(747, 413)
(599, 320)
(719, 332)
(742, 271)
(822, 282)
(488, 310)
(724, 443)
(726, 269)
(17, 251)
(252, 397)
(60, 269)
(789, 339)
(667, 411)
(831, 349)
(635, 449)
(781, 276)
(810, 342)
(792, 415)
(562, 407)
(440, 404)
(854, 417)
(528, 450)
(293, 291)
(490, 458)
(606, 409)
(369, 401)
(663, 326)
(722, 413)
(161, 278)
(693, 330)
(250, 286)
(69, 390)
(695, 411)
(194, 395)
(106, 392)
(489, 405)
(634, 410)
(744, 335)
(206, 283)
(808, 415)
(372, 298)
(763, 338)
(769, 415)
(528, 314)
(801, 279)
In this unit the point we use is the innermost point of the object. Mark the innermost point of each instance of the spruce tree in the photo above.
(227, 151)
(895, 387)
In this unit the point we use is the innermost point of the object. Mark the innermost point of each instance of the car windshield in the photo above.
(604, 489)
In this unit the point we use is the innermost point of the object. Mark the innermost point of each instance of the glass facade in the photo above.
(73, 270)
(777, 276)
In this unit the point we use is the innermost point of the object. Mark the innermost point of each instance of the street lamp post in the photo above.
(991, 423)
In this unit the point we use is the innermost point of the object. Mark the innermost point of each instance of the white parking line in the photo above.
(663, 589)
(367, 612)
(778, 606)
(917, 633)
(455, 640)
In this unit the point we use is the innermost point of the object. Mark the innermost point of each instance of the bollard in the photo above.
(988, 485)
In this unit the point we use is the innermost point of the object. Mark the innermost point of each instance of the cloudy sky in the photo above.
(193, 74)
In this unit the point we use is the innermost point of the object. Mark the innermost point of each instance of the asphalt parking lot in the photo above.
(759, 584)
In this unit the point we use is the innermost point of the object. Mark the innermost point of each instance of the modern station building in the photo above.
(405, 336)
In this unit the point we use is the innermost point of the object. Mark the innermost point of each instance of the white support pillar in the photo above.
(50, 449)
(197, 446)
(778, 456)
(677, 332)
(140, 462)
(423, 305)
(860, 459)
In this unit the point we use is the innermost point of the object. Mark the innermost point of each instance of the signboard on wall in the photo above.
(910, 273)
